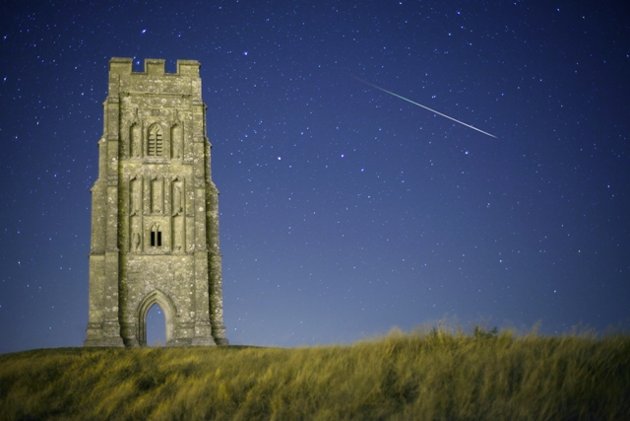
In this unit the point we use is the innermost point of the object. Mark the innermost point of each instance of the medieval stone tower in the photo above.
(155, 220)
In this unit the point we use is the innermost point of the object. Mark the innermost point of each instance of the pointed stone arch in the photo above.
(168, 308)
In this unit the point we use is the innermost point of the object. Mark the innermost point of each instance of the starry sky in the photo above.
(345, 210)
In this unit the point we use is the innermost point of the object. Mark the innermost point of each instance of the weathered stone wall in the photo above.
(155, 211)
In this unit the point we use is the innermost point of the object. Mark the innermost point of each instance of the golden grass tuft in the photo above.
(434, 375)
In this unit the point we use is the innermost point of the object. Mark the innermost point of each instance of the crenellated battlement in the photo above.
(153, 66)
(153, 80)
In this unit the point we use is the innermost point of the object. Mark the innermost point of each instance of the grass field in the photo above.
(435, 375)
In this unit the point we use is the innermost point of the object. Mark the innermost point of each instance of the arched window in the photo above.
(154, 142)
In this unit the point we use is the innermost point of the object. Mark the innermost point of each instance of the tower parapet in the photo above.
(154, 66)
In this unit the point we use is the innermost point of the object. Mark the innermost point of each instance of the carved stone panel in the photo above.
(136, 234)
(157, 195)
(177, 141)
(135, 140)
(179, 234)
(135, 193)
(178, 196)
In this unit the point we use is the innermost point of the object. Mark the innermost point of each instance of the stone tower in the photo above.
(155, 220)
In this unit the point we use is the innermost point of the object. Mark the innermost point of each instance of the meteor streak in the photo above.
(424, 106)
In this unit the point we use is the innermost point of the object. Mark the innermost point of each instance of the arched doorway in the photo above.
(156, 326)
(156, 301)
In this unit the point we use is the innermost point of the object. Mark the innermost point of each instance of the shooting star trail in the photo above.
(424, 106)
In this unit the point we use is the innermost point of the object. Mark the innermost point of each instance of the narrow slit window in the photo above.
(152, 238)
(159, 239)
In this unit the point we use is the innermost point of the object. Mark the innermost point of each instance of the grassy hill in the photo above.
(437, 375)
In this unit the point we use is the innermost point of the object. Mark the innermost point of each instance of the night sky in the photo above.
(345, 210)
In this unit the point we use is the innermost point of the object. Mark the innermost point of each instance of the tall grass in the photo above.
(438, 375)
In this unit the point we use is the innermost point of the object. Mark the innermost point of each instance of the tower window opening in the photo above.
(156, 237)
(154, 142)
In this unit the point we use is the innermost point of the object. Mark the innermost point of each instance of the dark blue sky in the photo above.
(345, 211)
